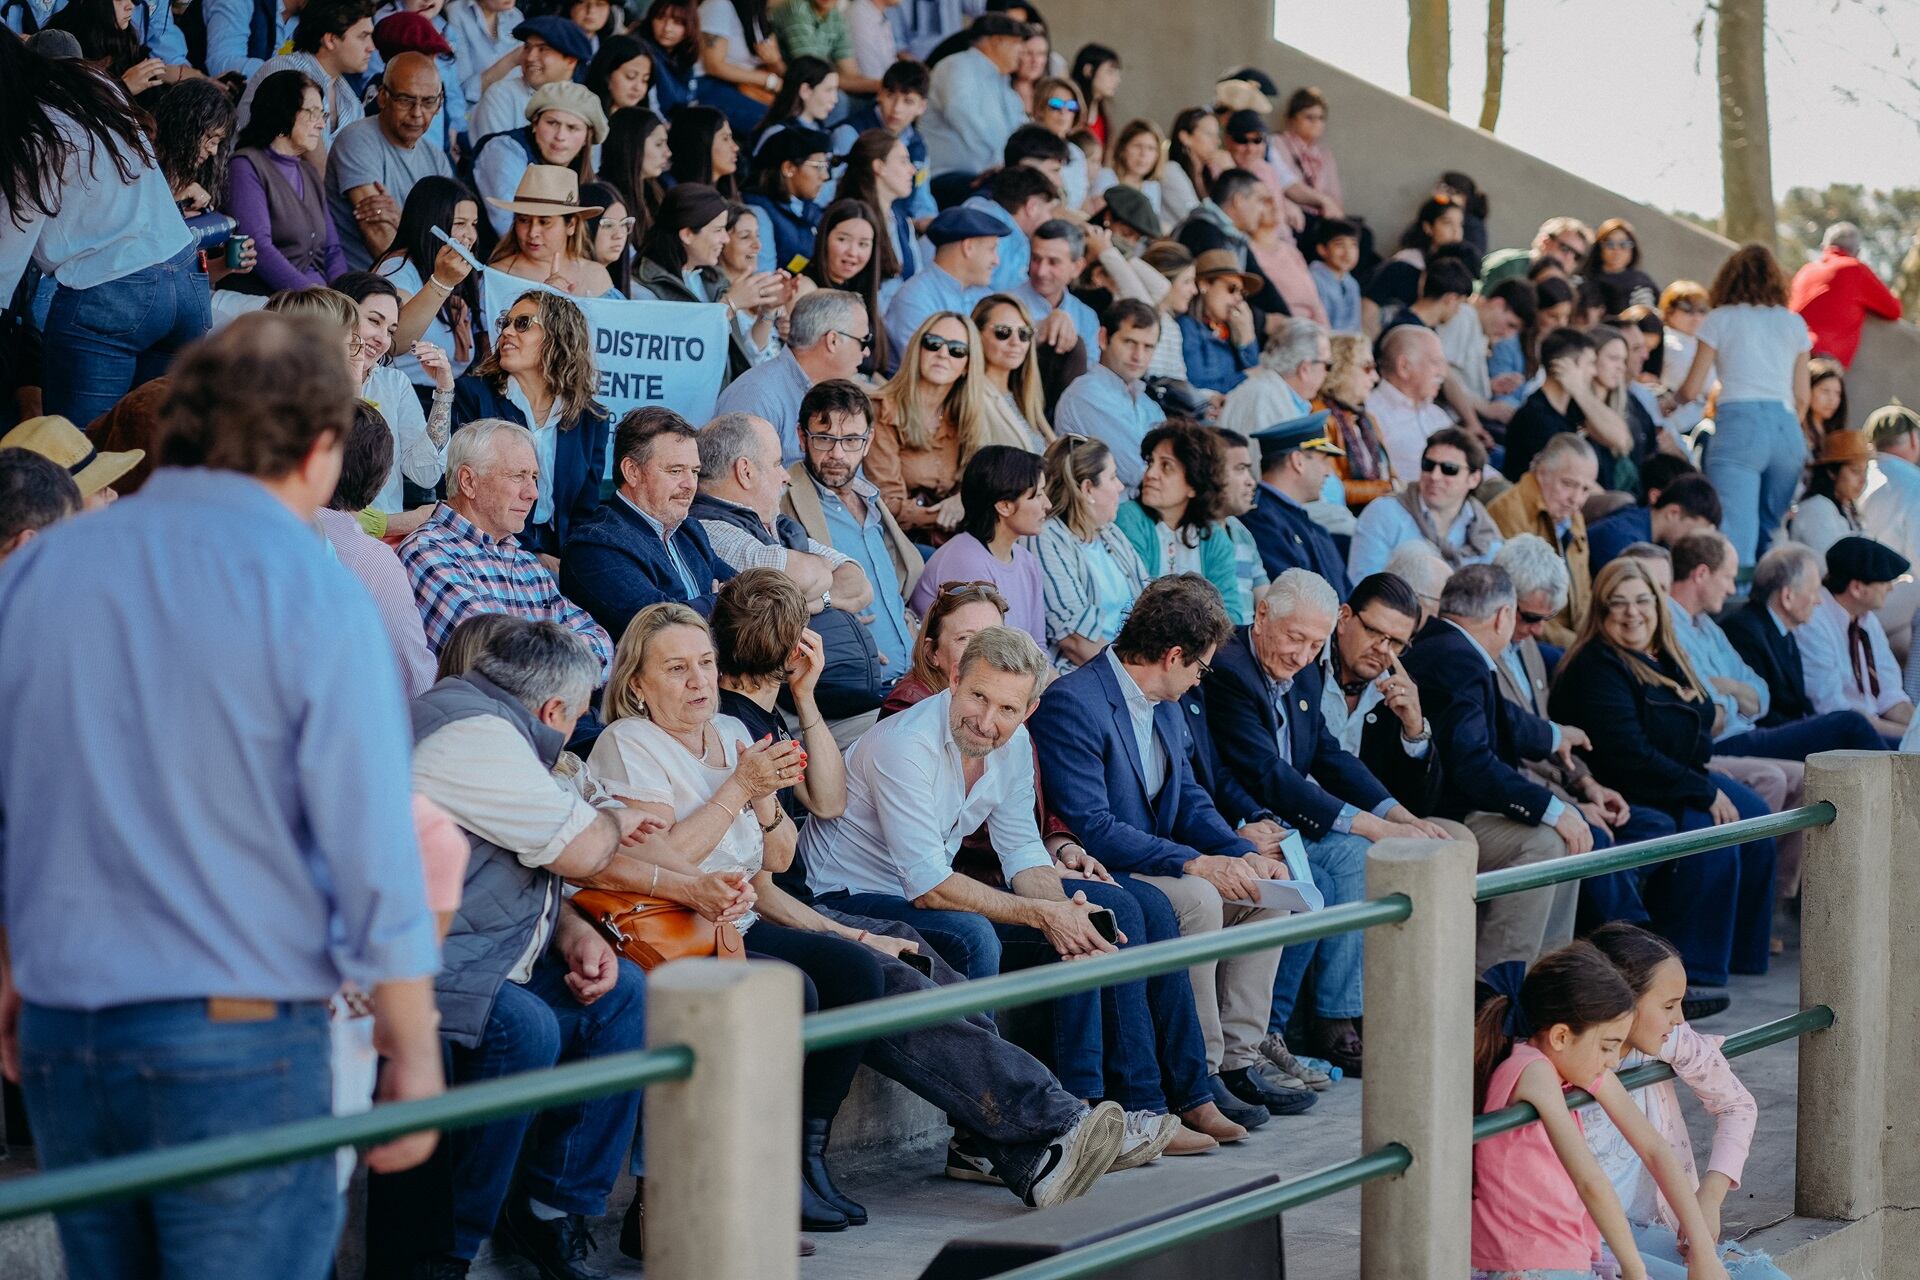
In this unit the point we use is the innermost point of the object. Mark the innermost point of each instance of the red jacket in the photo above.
(1834, 296)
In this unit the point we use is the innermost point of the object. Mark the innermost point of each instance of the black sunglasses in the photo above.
(1444, 468)
(1534, 619)
(1005, 331)
(866, 343)
(952, 346)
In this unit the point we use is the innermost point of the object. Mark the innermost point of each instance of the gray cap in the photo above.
(54, 43)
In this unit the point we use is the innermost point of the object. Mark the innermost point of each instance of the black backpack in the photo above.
(852, 683)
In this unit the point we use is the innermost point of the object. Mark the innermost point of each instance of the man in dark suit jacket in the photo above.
(1783, 596)
(1295, 461)
(1264, 698)
(1113, 759)
(1483, 739)
(1371, 705)
(640, 548)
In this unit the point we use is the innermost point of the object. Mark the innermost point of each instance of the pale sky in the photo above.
(1609, 88)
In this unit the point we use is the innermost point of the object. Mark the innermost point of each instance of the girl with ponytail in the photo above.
(1541, 1203)
(1652, 968)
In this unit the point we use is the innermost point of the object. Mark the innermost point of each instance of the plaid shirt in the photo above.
(457, 572)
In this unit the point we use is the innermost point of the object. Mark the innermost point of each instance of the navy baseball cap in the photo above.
(568, 40)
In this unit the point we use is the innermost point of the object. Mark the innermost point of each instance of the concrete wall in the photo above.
(1391, 148)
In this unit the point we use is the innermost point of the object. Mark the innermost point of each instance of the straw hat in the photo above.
(1223, 262)
(66, 444)
(1842, 447)
(1241, 95)
(547, 191)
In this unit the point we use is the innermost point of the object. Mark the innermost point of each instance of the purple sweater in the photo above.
(247, 202)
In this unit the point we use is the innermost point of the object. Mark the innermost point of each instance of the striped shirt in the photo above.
(458, 572)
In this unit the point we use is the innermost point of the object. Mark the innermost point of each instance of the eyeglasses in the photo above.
(978, 587)
(1376, 637)
(1616, 242)
(1206, 668)
(827, 443)
(625, 224)
(1444, 468)
(518, 324)
(1006, 331)
(1533, 619)
(933, 342)
(866, 343)
(1627, 604)
(1064, 104)
(409, 103)
(819, 165)
(311, 113)
(355, 345)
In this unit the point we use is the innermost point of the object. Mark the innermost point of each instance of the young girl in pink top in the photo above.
(1652, 967)
(1541, 1204)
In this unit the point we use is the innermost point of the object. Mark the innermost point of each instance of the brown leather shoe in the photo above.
(1190, 1142)
(1339, 1043)
(1208, 1119)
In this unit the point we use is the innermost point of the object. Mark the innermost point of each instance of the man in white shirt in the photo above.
(1843, 649)
(1412, 369)
(1293, 367)
(1890, 513)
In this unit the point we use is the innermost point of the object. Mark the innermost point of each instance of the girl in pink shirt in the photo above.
(1541, 1203)
(1652, 967)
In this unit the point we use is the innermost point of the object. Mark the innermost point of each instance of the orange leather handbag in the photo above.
(651, 931)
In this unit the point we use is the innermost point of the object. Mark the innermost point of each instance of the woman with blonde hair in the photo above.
(1090, 573)
(540, 375)
(929, 419)
(1366, 472)
(1016, 407)
(1627, 682)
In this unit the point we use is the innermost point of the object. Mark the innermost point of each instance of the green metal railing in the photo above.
(468, 1105)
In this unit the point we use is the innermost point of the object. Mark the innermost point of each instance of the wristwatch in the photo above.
(826, 599)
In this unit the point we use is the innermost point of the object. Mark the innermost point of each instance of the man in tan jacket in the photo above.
(1547, 502)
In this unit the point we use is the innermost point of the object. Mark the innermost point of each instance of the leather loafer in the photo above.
(557, 1247)
(1339, 1043)
(1247, 1116)
(1247, 1086)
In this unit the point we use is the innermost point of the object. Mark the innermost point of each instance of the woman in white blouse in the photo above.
(669, 751)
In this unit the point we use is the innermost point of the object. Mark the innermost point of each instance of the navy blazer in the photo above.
(1482, 735)
(1248, 730)
(1415, 783)
(1616, 533)
(1649, 744)
(1775, 658)
(1289, 539)
(579, 457)
(1090, 768)
(1235, 803)
(616, 565)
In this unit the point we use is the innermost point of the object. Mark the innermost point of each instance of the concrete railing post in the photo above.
(1856, 869)
(723, 1145)
(1419, 1086)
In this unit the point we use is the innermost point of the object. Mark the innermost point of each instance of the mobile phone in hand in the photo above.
(1104, 924)
(919, 960)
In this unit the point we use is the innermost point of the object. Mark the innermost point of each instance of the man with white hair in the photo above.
(829, 335)
(464, 559)
(1293, 366)
(1419, 566)
(1837, 292)
(1413, 367)
(1265, 691)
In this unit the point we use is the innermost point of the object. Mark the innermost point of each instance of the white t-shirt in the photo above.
(636, 759)
(1754, 349)
(720, 18)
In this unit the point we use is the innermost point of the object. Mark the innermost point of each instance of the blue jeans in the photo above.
(573, 1157)
(1339, 865)
(1182, 1048)
(1660, 1250)
(1754, 461)
(742, 112)
(1835, 731)
(104, 341)
(142, 1076)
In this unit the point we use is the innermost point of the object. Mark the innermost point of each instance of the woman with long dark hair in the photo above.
(90, 206)
(610, 233)
(1096, 72)
(849, 253)
(440, 296)
(739, 60)
(671, 30)
(1004, 500)
(621, 73)
(880, 174)
(193, 130)
(634, 159)
(701, 143)
(278, 197)
(547, 240)
(809, 91)
(107, 39)
(1193, 149)
(756, 327)
(680, 261)
(421, 425)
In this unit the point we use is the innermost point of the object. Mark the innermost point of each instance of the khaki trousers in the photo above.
(1783, 785)
(1235, 996)
(1521, 925)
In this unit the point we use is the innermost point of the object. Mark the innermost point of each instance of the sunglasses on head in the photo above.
(952, 346)
(1005, 331)
(1444, 468)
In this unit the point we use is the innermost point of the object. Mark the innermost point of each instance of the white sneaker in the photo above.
(1147, 1135)
(1076, 1159)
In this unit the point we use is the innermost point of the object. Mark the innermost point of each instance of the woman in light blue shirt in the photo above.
(92, 208)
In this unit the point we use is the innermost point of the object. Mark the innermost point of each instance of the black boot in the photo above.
(814, 1175)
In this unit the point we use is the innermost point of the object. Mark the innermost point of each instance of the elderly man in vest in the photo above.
(1548, 501)
(526, 983)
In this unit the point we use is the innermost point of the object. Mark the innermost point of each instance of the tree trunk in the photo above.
(1429, 50)
(1746, 161)
(1496, 63)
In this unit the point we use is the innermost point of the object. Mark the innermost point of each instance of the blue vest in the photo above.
(793, 233)
(261, 28)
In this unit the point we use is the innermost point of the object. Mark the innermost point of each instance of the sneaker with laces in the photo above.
(1076, 1159)
(1286, 1064)
(1147, 1136)
(966, 1163)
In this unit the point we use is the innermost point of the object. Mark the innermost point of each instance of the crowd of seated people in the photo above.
(1092, 524)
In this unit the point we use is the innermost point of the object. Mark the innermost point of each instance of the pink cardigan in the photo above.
(1697, 1060)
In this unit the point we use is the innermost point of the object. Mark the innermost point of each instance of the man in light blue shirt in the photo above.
(1058, 250)
(1109, 402)
(194, 688)
(966, 250)
(242, 34)
(920, 25)
(828, 336)
(481, 33)
(1020, 199)
(972, 109)
(1438, 509)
